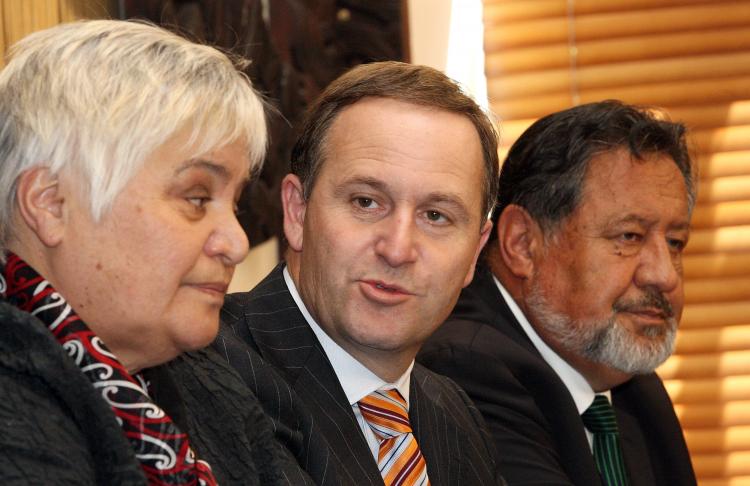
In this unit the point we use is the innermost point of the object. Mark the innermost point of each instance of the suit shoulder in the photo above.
(644, 395)
(459, 330)
(231, 311)
(255, 300)
(648, 386)
(477, 323)
(436, 385)
(259, 296)
(456, 408)
(459, 337)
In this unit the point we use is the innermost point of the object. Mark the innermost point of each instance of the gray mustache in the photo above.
(651, 298)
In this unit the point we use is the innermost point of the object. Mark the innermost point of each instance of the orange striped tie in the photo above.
(400, 461)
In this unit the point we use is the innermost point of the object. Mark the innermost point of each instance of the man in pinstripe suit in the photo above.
(385, 213)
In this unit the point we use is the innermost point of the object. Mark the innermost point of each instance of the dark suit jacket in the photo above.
(266, 338)
(225, 422)
(530, 412)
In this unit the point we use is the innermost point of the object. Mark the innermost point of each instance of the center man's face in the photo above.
(609, 287)
(392, 227)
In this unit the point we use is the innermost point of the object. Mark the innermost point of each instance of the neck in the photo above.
(512, 283)
(40, 261)
(600, 377)
(389, 366)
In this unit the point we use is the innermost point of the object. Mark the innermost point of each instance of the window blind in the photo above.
(691, 57)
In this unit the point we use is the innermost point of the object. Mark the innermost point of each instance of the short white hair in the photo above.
(100, 96)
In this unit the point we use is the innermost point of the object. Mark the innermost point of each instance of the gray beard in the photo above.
(606, 342)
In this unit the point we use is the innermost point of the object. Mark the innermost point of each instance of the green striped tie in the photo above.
(600, 419)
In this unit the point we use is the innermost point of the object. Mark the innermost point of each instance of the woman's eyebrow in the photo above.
(206, 164)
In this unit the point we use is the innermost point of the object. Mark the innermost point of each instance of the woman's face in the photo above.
(150, 277)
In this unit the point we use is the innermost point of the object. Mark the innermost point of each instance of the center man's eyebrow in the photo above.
(453, 200)
(376, 184)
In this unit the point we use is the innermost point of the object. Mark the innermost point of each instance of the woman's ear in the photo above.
(294, 204)
(519, 236)
(40, 204)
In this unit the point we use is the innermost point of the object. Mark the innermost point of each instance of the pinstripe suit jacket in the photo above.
(266, 338)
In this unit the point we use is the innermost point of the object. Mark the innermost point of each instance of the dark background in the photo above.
(296, 47)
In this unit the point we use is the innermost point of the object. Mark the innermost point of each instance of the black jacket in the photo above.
(538, 433)
(57, 429)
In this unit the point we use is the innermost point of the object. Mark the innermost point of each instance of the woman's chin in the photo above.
(197, 336)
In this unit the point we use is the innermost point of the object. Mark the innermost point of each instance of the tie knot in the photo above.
(385, 411)
(599, 418)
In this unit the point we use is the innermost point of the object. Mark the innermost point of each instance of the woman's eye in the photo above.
(198, 202)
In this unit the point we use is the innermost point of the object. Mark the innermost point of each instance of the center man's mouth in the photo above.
(386, 287)
(384, 293)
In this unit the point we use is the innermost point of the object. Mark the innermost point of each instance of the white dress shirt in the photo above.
(356, 380)
(582, 393)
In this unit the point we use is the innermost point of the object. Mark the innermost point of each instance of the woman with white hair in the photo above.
(123, 152)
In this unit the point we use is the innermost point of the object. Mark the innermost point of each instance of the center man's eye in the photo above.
(434, 215)
(364, 202)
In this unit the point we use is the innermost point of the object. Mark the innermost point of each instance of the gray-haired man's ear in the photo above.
(519, 239)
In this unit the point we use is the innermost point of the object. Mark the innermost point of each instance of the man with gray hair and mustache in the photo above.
(557, 338)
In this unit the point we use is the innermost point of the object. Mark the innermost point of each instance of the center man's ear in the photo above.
(40, 203)
(483, 237)
(519, 239)
(294, 204)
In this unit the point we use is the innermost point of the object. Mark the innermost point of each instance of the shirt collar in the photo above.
(356, 379)
(579, 388)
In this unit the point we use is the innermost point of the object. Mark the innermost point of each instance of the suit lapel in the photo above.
(427, 418)
(572, 445)
(652, 440)
(558, 407)
(318, 386)
(634, 449)
(486, 304)
(285, 339)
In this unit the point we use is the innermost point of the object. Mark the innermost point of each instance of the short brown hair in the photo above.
(420, 85)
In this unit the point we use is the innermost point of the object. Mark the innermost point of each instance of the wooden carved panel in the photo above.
(297, 47)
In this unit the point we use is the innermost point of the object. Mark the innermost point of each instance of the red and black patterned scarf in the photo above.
(163, 451)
